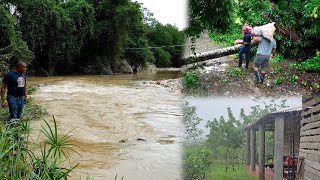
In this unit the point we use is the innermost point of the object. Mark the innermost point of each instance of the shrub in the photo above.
(191, 79)
(197, 162)
(311, 65)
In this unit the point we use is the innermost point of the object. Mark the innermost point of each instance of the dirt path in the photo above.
(220, 77)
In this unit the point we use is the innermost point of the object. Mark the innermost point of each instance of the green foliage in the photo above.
(58, 145)
(191, 79)
(162, 58)
(227, 136)
(298, 29)
(235, 72)
(311, 65)
(277, 58)
(57, 35)
(12, 48)
(197, 162)
(191, 121)
(19, 160)
(218, 171)
(294, 78)
(209, 14)
(227, 38)
(278, 81)
(171, 39)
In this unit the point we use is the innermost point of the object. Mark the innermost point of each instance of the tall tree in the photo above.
(12, 47)
(209, 15)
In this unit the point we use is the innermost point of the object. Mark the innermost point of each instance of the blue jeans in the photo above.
(244, 50)
(15, 106)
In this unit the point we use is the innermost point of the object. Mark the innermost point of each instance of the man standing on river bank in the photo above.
(16, 84)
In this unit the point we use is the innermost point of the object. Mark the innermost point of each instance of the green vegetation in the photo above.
(209, 14)
(297, 23)
(197, 162)
(312, 64)
(18, 160)
(84, 36)
(278, 81)
(218, 172)
(235, 72)
(294, 78)
(20, 157)
(222, 154)
(191, 79)
(277, 58)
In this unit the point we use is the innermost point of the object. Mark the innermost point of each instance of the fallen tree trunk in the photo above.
(211, 54)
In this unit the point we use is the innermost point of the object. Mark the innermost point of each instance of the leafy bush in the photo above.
(277, 58)
(294, 78)
(18, 161)
(278, 81)
(235, 72)
(162, 58)
(312, 64)
(191, 79)
(197, 162)
(227, 38)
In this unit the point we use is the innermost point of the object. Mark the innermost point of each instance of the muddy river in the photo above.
(104, 110)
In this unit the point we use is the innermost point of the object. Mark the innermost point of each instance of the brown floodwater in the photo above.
(103, 110)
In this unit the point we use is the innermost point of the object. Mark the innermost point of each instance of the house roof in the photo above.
(292, 114)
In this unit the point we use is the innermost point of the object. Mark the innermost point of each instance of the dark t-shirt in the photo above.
(247, 38)
(15, 83)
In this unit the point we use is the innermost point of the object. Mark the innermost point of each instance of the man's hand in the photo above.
(3, 104)
(25, 100)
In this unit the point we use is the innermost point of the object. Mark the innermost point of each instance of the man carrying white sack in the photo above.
(266, 48)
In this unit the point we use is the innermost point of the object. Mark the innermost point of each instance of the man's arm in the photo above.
(274, 47)
(257, 39)
(25, 93)
(3, 91)
(273, 53)
(25, 90)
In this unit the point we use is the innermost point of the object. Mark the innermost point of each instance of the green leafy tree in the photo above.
(191, 121)
(12, 47)
(197, 162)
(227, 136)
(54, 30)
(209, 14)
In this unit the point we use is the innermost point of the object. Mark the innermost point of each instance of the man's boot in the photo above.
(258, 76)
(262, 77)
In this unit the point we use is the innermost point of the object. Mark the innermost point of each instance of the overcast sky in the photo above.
(168, 11)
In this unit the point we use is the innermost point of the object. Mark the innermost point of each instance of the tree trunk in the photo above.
(211, 54)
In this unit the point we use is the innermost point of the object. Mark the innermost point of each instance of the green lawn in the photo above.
(218, 173)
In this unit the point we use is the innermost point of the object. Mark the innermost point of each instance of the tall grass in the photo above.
(19, 161)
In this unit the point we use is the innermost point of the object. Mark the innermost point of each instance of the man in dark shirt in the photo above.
(16, 84)
(246, 47)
